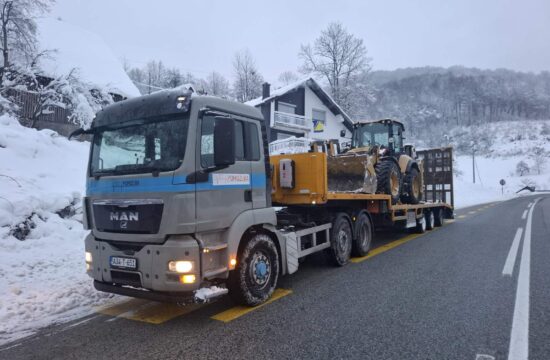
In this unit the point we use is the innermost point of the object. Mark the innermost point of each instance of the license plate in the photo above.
(123, 262)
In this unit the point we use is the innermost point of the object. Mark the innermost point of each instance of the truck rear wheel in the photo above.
(388, 177)
(255, 277)
(363, 235)
(341, 238)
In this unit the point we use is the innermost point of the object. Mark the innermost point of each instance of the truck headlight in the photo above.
(88, 257)
(182, 266)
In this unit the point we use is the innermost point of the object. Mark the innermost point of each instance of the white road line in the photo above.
(512, 254)
(519, 338)
(530, 204)
(484, 357)
(524, 215)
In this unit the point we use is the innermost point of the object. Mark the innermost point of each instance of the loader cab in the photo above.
(386, 134)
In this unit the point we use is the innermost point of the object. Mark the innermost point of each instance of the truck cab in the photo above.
(174, 182)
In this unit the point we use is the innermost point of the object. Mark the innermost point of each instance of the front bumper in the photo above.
(152, 265)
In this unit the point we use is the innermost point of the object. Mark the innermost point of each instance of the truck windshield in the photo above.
(370, 135)
(139, 147)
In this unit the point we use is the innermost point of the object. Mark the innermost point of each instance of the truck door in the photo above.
(227, 192)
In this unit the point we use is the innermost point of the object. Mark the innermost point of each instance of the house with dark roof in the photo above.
(302, 109)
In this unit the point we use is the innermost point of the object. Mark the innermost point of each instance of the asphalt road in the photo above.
(446, 294)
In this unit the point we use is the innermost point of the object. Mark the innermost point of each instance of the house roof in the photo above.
(316, 88)
(75, 48)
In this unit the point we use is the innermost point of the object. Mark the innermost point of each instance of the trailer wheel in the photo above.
(430, 219)
(341, 239)
(255, 277)
(421, 225)
(438, 217)
(363, 235)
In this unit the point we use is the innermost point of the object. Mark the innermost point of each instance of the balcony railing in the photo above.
(291, 120)
(291, 145)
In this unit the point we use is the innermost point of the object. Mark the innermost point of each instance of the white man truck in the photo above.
(181, 196)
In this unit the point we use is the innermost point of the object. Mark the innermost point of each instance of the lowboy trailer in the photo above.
(185, 204)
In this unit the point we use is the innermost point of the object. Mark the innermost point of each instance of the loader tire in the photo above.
(412, 188)
(255, 277)
(389, 180)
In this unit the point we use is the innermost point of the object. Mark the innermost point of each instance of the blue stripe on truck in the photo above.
(164, 184)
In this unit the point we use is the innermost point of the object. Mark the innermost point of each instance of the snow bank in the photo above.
(43, 277)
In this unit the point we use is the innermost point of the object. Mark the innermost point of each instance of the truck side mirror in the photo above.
(342, 133)
(224, 141)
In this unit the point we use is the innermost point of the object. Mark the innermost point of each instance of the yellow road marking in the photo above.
(147, 311)
(461, 216)
(379, 250)
(472, 212)
(238, 311)
(122, 307)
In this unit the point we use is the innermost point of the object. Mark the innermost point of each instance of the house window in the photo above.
(287, 108)
(319, 120)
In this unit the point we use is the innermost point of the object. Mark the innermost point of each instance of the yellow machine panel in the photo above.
(309, 185)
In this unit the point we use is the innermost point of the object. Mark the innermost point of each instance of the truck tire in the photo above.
(255, 277)
(412, 187)
(421, 225)
(363, 235)
(438, 217)
(388, 177)
(430, 219)
(341, 239)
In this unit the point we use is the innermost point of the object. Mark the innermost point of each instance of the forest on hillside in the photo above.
(431, 99)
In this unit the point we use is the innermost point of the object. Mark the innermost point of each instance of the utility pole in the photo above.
(474, 164)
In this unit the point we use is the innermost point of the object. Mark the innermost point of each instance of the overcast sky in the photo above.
(201, 36)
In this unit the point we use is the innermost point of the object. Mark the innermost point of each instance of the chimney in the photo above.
(265, 90)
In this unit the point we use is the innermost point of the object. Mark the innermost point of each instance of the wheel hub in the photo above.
(342, 240)
(260, 268)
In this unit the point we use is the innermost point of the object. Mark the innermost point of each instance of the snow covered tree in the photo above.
(540, 157)
(217, 85)
(339, 57)
(248, 81)
(287, 77)
(522, 168)
(18, 30)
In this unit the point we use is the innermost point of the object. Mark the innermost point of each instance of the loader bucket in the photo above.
(351, 172)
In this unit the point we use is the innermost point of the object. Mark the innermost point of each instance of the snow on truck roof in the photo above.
(76, 48)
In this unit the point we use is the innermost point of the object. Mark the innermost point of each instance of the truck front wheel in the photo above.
(255, 277)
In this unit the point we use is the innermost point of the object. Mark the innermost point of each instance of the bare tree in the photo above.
(337, 56)
(217, 85)
(288, 77)
(522, 168)
(18, 28)
(540, 157)
(248, 82)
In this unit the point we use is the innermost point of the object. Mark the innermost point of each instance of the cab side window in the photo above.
(207, 141)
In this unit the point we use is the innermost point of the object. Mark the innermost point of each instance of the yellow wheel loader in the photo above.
(378, 162)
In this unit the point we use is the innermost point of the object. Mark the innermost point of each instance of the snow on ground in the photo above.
(511, 142)
(43, 276)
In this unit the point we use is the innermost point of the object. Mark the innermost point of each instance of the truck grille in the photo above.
(126, 278)
(128, 216)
